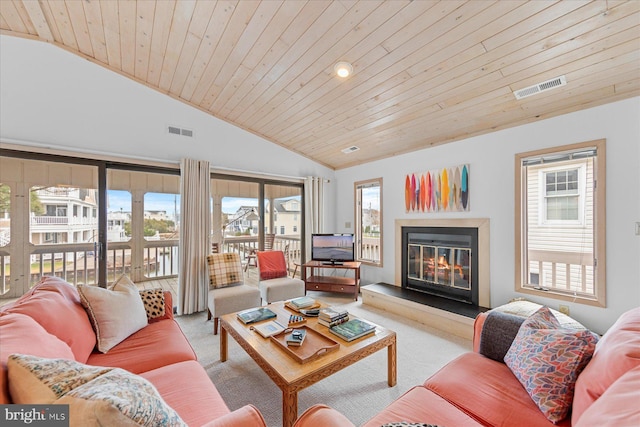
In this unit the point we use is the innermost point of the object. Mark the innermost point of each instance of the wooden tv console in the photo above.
(314, 281)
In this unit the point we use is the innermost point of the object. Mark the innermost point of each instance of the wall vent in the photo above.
(179, 131)
(350, 149)
(540, 87)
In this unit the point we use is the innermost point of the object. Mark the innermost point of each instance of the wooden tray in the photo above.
(315, 345)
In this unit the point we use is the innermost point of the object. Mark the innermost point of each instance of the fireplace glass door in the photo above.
(440, 265)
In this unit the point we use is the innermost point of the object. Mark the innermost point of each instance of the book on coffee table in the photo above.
(269, 328)
(353, 329)
(302, 302)
(296, 337)
(255, 315)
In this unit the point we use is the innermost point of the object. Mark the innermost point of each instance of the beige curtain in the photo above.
(195, 226)
(314, 208)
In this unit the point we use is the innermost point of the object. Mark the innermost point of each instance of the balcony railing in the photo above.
(563, 271)
(244, 245)
(62, 220)
(76, 262)
(159, 259)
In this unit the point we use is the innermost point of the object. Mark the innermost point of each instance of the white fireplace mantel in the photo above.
(482, 224)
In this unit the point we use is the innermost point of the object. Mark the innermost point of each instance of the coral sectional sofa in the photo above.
(52, 329)
(475, 389)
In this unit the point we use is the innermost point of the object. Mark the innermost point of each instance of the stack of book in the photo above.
(298, 304)
(331, 316)
(353, 329)
(296, 337)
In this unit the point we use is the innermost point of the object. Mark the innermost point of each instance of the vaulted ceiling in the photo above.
(425, 72)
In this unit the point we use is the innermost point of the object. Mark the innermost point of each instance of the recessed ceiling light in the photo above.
(343, 69)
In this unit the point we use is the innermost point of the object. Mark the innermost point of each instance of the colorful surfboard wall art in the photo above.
(443, 190)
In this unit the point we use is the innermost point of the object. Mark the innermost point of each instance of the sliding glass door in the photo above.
(252, 213)
(49, 223)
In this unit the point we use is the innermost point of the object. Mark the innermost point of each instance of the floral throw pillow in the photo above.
(547, 360)
(97, 396)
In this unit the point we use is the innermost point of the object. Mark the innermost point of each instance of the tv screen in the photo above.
(332, 248)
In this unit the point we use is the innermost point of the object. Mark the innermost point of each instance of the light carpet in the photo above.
(359, 391)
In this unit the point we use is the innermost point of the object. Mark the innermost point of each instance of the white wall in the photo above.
(491, 159)
(52, 98)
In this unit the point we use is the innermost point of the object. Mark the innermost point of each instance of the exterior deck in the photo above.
(171, 284)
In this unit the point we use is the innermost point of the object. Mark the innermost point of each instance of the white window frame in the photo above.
(596, 297)
(542, 202)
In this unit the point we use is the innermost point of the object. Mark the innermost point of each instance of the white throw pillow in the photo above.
(115, 313)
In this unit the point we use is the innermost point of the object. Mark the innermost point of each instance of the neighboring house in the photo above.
(70, 216)
(243, 220)
(157, 215)
(115, 226)
(560, 226)
(286, 219)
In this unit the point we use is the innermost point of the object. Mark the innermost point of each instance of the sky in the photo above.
(371, 198)
(121, 200)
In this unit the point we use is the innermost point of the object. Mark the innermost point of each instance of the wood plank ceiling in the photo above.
(425, 72)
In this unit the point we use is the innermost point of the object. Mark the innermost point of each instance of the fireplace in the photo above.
(445, 258)
(441, 261)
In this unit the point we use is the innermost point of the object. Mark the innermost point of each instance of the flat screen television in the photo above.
(332, 248)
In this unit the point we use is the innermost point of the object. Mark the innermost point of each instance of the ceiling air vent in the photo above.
(179, 131)
(541, 87)
(350, 149)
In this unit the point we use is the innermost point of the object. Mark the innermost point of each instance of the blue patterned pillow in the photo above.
(547, 360)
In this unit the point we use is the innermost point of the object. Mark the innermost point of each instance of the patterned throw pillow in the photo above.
(407, 424)
(547, 360)
(224, 270)
(97, 396)
(115, 313)
(153, 300)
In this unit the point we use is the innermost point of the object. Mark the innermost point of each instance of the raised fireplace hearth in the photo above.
(447, 314)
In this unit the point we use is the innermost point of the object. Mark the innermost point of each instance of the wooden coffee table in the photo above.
(290, 375)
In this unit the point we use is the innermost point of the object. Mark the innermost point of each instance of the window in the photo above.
(562, 194)
(368, 219)
(560, 217)
(5, 216)
(282, 229)
(161, 216)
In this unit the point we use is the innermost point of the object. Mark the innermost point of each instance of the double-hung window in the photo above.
(560, 222)
(368, 218)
